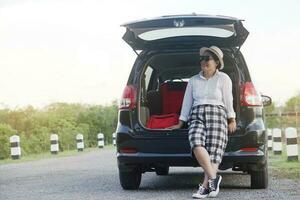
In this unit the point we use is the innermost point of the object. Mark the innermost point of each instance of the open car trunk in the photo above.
(185, 31)
(162, 86)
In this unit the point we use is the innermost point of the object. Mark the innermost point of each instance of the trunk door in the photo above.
(185, 31)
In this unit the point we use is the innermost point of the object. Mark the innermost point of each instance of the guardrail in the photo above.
(282, 114)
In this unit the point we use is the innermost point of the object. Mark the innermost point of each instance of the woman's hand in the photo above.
(177, 126)
(231, 125)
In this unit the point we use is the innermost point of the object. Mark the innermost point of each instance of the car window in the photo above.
(177, 80)
(222, 32)
(148, 74)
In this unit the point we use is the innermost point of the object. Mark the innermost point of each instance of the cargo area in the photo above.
(162, 83)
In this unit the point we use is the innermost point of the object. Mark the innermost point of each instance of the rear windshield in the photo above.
(221, 32)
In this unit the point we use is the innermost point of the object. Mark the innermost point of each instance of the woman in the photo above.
(208, 109)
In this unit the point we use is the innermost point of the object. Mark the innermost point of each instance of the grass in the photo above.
(48, 155)
(280, 167)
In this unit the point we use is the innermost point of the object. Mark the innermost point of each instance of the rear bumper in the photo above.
(186, 159)
(244, 157)
(152, 158)
(173, 149)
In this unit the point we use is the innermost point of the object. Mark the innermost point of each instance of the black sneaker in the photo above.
(201, 193)
(213, 186)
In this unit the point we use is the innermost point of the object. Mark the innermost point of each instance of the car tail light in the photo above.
(249, 149)
(249, 95)
(128, 150)
(128, 99)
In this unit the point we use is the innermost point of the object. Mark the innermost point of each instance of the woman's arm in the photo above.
(187, 101)
(228, 102)
(231, 125)
(186, 106)
(177, 126)
(228, 97)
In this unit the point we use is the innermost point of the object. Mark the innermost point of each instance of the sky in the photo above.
(72, 50)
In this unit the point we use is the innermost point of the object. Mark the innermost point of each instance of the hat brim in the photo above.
(204, 49)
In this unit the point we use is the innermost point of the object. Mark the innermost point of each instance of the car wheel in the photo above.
(130, 180)
(259, 178)
(162, 171)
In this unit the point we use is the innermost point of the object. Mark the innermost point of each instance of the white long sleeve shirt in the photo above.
(217, 90)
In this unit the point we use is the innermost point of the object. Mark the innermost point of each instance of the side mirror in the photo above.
(266, 100)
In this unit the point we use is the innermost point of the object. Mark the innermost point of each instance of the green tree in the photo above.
(5, 132)
(67, 120)
(293, 104)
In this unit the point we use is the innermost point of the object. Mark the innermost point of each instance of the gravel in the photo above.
(94, 175)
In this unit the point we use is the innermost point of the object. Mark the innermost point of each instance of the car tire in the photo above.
(259, 178)
(130, 180)
(162, 171)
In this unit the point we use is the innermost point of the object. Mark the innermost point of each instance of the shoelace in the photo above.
(211, 184)
(201, 189)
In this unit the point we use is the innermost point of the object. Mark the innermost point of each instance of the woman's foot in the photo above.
(201, 193)
(213, 186)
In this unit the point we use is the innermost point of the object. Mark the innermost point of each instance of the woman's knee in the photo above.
(198, 148)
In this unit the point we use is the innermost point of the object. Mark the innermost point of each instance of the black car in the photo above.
(167, 51)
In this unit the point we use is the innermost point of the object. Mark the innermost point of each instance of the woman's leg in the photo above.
(215, 166)
(204, 160)
(205, 181)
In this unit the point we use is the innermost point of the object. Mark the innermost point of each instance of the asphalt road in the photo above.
(94, 175)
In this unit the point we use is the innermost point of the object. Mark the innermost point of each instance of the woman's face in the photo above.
(208, 65)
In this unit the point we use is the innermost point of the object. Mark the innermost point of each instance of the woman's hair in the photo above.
(216, 59)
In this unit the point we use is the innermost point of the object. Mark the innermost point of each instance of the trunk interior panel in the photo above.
(163, 81)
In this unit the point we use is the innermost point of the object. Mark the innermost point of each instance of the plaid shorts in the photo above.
(208, 128)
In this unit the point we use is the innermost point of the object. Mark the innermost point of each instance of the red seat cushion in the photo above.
(172, 94)
(162, 121)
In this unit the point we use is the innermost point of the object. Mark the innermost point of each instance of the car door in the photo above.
(178, 31)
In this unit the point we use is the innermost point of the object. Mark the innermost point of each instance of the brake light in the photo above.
(128, 150)
(249, 149)
(249, 95)
(128, 99)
